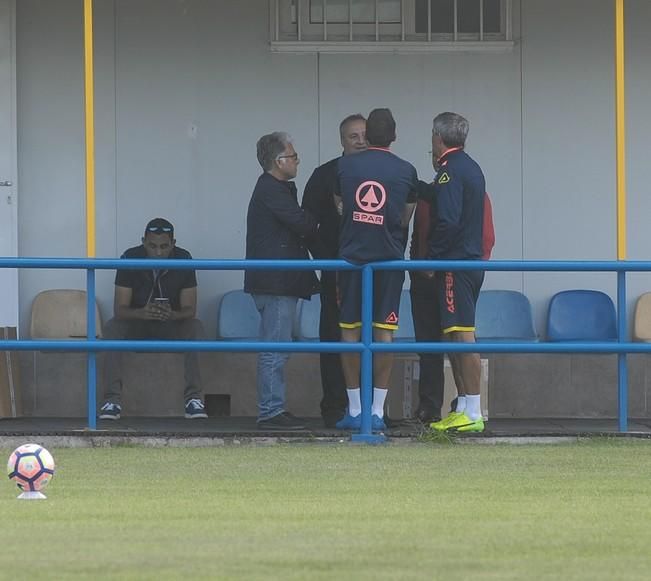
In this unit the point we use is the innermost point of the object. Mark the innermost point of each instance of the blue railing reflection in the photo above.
(366, 347)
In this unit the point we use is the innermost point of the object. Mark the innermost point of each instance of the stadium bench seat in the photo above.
(642, 321)
(581, 315)
(504, 315)
(56, 384)
(61, 314)
(238, 318)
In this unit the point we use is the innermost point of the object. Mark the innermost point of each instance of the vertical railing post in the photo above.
(622, 369)
(366, 361)
(366, 378)
(91, 356)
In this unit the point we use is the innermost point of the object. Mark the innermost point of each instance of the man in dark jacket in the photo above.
(276, 228)
(317, 199)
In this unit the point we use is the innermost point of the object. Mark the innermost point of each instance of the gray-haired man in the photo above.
(276, 228)
(459, 192)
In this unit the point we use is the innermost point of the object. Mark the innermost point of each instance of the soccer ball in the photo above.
(31, 467)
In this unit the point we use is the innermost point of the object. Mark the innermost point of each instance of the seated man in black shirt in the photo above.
(154, 304)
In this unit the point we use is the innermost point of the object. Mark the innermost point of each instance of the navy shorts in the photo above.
(387, 286)
(457, 294)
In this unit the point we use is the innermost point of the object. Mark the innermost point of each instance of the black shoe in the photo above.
(283, 421)
(110, 411)
(391, 423)
(427, 416)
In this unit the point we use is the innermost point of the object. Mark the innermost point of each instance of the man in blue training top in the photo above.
(378, 195)
(456, 233)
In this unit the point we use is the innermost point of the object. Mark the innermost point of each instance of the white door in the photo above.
(8, 166)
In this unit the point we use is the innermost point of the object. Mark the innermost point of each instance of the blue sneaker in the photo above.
(377, 424)
(194, 409)
(349, 422)
(110, 411)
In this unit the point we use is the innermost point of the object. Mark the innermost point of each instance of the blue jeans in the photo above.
(276, 323)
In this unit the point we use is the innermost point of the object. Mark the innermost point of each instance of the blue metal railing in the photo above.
(366, 347)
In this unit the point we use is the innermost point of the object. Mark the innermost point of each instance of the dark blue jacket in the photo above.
(276, 227)
(458, 209)
(375, 187)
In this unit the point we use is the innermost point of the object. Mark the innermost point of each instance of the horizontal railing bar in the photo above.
(163, 346)
(326, 347)
(518, 265)
(175, 264)
(242, 264)
(487, 347)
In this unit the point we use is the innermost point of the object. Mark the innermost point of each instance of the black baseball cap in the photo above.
(160, 226)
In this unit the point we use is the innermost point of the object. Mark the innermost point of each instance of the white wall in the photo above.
(638, 78)
(568, 128)
(184, 89)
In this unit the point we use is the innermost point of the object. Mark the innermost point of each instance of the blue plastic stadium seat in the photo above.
(306, 323)
(581, 315)
(238, 318)
(504, 315)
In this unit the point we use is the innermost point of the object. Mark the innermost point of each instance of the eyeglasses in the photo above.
(293, 157)
(159, 229)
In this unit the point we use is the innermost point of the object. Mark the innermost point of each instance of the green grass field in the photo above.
(416, 511)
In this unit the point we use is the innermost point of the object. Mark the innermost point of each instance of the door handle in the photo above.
(6, 184)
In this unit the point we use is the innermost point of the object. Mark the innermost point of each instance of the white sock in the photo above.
(379, 395)
(354, 402)
(461, 404)
(473, 407)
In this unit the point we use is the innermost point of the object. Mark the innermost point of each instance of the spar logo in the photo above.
(370, 198)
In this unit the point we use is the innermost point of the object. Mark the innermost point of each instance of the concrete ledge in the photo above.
(229, 431)
(99, 441)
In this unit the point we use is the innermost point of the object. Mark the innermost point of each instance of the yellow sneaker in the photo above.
(442, 425)
(462, 423)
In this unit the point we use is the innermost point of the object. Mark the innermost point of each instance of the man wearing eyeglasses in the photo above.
(317, 199)
(154, 304)
(276, 228)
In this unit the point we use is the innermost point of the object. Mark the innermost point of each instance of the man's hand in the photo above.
(157, 312)
(339, 203)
